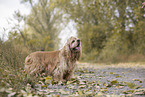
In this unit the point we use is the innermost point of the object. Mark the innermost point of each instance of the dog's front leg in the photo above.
(58, 75)
(68, 75)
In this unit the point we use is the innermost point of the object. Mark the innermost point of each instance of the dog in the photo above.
(59, 64)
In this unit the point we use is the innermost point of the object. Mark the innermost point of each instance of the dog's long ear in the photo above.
(67, 46)
(66, 49)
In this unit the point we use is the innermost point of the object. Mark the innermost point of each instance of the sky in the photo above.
(7, 9)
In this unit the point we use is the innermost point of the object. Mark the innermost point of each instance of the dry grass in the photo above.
(11, 66)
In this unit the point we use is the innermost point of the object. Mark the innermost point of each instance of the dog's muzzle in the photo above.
(77, 48)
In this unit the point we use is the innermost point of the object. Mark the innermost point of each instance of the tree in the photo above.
(44, 23)
(17, 33)
(106, 26)
(91, 23)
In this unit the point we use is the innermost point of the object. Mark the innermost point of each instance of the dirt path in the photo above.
(117, 79)
(123, 79)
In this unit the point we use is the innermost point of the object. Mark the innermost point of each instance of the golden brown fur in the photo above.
(59, 64)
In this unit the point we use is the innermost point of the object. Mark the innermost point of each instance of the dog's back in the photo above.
(40, 61)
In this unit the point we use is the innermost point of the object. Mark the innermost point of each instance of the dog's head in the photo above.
(74, 44)
(73, 47)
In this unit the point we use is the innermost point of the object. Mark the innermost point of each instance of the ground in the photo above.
(119, 80)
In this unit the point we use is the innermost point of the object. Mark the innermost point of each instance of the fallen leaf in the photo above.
(119, 87)
(11, 94)
(135, 79)
(128, 92)
(132, 85)
(80, 92)
(113, 82)
(111, 72)
(140, 92)
(100, 94)
(69, 82)
(48, 78)
(43, 86)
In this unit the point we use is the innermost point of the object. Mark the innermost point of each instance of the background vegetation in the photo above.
(110, 31)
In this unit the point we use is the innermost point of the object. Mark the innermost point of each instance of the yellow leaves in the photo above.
(111, 72)
(68, 82)
(43, 86)
(113, 82)
(47, 80)
(80, 92)
(100, 94)
(132, 85)
(137, 80)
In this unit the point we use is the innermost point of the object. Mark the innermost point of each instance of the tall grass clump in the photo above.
(12, 66)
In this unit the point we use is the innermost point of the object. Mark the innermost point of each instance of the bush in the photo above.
(116, 50)
(12, 66)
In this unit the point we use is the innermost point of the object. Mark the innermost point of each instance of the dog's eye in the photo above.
(73, 41)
